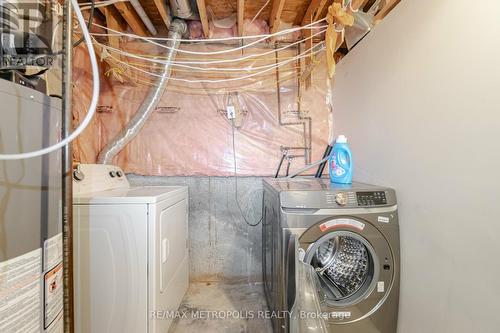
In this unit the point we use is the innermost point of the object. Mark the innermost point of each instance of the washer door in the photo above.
(354, 264)
(346, 265)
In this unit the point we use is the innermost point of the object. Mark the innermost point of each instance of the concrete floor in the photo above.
(221, 307)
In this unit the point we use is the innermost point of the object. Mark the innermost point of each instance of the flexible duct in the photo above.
(178, 29)
(181, 8)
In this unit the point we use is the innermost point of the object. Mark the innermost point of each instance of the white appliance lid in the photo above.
(138, 195)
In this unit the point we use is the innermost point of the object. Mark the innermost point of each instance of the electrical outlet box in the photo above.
(231, 112)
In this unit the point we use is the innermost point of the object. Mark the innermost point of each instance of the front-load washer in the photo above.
(349, 235)
(129, 251)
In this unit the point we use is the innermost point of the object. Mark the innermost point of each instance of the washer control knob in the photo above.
(119, 173)
(341, 198)
(112, 174)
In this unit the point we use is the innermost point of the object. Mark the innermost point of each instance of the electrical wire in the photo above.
(260, 38)
(134, 79)
(172, 87)
(236, 183)
(89, 23)
(93, 103)
(213, 69)
(220, 61)
(307, 54)
(205, 70)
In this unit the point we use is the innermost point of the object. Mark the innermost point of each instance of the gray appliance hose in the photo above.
(178, 28)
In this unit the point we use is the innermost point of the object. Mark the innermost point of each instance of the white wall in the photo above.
(419, 100)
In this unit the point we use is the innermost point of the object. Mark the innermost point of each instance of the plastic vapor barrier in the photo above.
(189, 133)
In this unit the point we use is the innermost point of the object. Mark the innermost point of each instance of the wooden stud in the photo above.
(274, 19)
(202, 9)
(308, 46)
(312, 14)
(134, 21)
(241, 17)
(164, 11)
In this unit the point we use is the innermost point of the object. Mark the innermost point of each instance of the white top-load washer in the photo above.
(130, 252)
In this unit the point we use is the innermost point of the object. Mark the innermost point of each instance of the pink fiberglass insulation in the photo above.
(195, 30)
(255, 28)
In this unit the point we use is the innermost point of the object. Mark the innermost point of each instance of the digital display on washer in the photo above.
(371, 198)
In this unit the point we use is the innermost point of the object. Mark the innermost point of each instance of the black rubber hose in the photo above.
(321, 167)
(276, 175)
(89, 24)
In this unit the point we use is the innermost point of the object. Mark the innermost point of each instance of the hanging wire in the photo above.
(260, 38)
(236, 182)
(211, 70)
(176, 88)
(155, 59)
(306, 54)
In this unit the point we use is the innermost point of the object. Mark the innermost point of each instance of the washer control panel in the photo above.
(374, 198)
(357, 199)
(338, 198)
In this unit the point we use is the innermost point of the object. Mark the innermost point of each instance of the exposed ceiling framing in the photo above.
(279, 14)
(202, 9)
(296, 12)
(132, 18)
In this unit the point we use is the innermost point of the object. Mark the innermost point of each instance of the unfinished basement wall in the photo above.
(419, 102)
(189, 134)
(188, 141)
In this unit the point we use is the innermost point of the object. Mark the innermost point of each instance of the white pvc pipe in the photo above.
(93, 103)
(144, 17)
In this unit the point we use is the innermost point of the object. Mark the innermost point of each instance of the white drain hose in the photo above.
(93, 103)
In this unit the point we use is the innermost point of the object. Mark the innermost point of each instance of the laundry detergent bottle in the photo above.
(340, 162)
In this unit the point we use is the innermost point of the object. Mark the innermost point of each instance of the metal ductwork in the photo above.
(363, 23)
(181, 8)
(178, 29)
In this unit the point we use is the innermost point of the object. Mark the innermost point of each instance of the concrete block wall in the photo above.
(222, 247)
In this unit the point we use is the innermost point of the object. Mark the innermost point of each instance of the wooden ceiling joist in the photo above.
(202, 9)
(314, 11)
(134, 21)
(276, 11)
(241, 17)
(113, 21)
(164, 11)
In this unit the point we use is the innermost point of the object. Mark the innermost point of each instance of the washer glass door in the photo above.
(346, 265)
